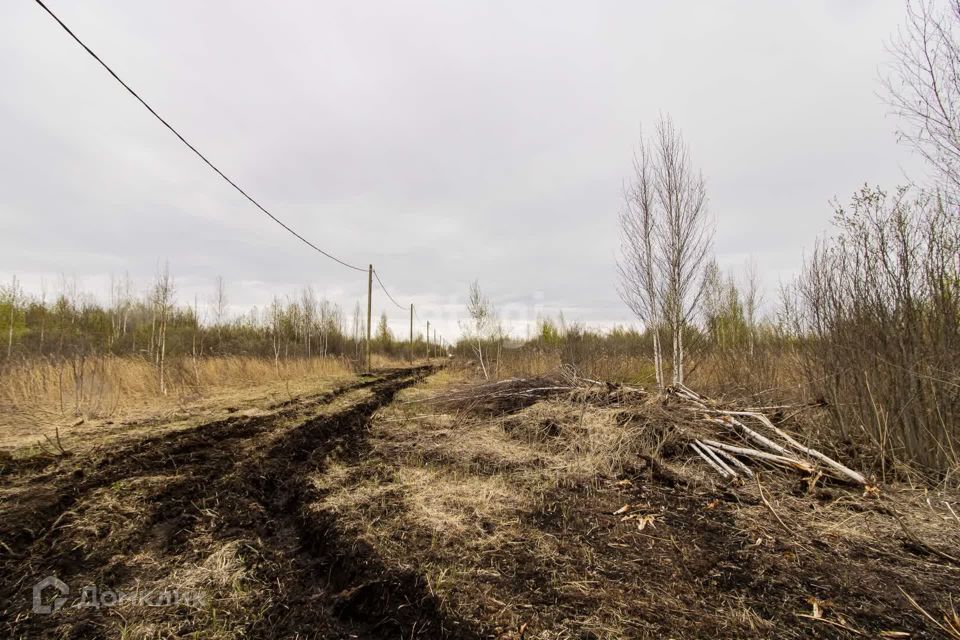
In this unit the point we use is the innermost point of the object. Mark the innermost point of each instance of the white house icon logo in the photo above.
(50, 581)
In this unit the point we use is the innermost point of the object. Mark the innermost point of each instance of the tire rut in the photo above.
(327, 585)
(48, 495)
(322, 568)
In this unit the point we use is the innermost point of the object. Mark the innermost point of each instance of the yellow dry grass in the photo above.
(777, 373)
(526, 363)
(40, 395)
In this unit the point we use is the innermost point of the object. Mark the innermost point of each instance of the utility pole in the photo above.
(428, 339)
(369, 311)
(411, 332)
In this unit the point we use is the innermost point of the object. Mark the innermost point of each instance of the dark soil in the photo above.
(252, 473)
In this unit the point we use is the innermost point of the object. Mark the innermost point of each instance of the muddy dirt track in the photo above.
(359, 512)
(177, 501)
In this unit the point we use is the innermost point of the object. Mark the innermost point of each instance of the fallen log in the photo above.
(763, 455)
(713, 454)
(700, 452)
(813, 453)
(734, 460)
(750, 433)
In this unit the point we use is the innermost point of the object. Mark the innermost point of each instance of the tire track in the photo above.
(326, 584)
(46, 496)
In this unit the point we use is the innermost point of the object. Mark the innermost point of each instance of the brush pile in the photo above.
(733, 442)
(750, 446)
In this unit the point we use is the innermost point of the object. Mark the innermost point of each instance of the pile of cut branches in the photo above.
(513, 394)
(733, 442)
(763, 443)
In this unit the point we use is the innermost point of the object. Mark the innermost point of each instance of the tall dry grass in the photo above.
(772, 370)
(103, 386)
(773, 373)
(520, 363)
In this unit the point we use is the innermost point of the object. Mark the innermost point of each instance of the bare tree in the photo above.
(14, 290)
(923, 86)
(219, 307)
(752, 298)
(714, 301)
(484, 321)
(163, 304)
(639, 279)
(43, 316)
(276, 329)
(308, 301)
(666, 240)
(359, 329)
(686, 235)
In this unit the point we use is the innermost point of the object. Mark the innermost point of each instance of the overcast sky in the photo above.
(442, 141)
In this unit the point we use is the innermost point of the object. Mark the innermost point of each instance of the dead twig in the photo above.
(56, 446)
(952, 630)
(772, 510)
(920, 543)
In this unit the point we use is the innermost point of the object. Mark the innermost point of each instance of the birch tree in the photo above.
(685, 238)
(752, 298)
(219, 307)
(639, 278)
(276, 330)
(483, 319)
(163, 303)
(666, 237)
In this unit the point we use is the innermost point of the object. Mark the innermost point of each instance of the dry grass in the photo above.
(769, 371)
(508, 518)
(528, 363)
(214, 576)
(104, 385)
(37, 396)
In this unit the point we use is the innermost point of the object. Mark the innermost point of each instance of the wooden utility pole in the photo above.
(411, 332)
(428, 339)
(369, 311)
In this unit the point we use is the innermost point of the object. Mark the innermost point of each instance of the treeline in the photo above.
(727, 329)
(153, 325)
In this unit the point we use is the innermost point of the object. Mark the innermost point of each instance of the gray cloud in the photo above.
(441, 141)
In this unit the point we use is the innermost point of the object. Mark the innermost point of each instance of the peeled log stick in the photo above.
(689, 395)
(716, 467)
(813, 453)
(762, 455)
(713, 454)
(750, 433)
(688, 391)
(734, 460)
(830, 462)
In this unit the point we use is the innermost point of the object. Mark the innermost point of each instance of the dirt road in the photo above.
(224, 508)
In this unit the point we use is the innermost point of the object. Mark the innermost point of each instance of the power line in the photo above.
(377, 276)
(208, 162)
(190, 146)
